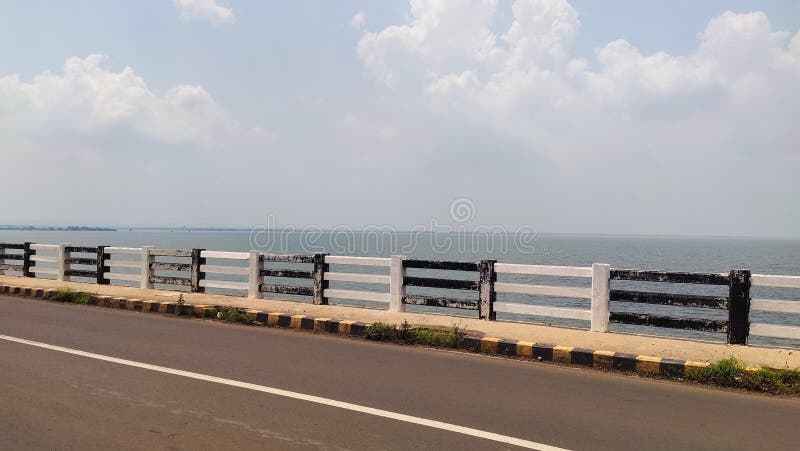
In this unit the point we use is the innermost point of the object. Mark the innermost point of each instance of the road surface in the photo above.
(91, 378)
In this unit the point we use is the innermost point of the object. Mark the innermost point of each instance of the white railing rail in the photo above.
(45, 253)
(598, 294)
(775, 306)
(765, 280)
(210, 282)
(361, 278)
(541, 310)
(114, 263)
(542, 270)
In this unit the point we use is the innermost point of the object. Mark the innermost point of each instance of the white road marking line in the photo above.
(294, 395)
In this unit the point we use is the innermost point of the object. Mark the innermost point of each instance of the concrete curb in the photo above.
(255, 317)
(642, 365)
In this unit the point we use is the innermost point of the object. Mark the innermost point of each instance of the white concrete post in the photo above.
(63, 266)
(256, 264)
(146, 271)
(601, 274)
(397, 287)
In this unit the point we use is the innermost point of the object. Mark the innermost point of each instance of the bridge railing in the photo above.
(598, 297)
(380, 282)
(731, 303)
(174, 267)
(293, 274)
(124, 263)
(227, 271)
(11, 258)
(83, 262)
(396, 282)
(775, 306)
(43, 259)
(446, 284)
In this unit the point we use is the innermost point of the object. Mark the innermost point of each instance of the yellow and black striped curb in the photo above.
(254, 317)
(605, 360)
(601, 359)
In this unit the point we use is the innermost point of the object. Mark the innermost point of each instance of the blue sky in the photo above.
(599, 117)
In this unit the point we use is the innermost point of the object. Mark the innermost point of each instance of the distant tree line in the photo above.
(65, 229)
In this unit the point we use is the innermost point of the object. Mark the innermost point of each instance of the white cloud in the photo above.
(541, 29)
(92, 136)
(736, 92)
(442, 35)
(205, 10)
(358, 20)
(88, 106)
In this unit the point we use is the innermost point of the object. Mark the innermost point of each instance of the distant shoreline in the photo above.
(59, 229)
(184, 229)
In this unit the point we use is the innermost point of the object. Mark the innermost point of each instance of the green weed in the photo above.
(731, 372)
(406, 334)
(180, 306)
(726, 372)
(382, 332)
(232, 315)
(70, 295)
(772, 380)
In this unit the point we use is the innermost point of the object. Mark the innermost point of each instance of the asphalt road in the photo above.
(56, 400)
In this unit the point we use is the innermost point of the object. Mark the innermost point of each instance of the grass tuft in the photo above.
(726, 372)
(381, 332)
(406, 334)
(232, 315)
(731, 372)
(772, 380)
(70, 295)
(180, 306)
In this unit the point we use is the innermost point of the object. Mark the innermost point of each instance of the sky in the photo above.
(613, 117)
